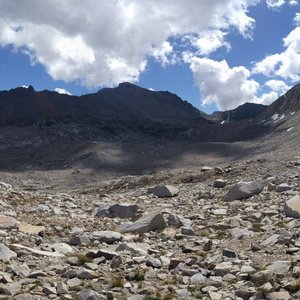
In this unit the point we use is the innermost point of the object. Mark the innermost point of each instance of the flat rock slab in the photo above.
(280, 267)
(281, 295)
(164, 191)
(244, 190)
(35, 252)
(292, 207)
(31, 229)
(108, 237)
(150, 222)
(7, 222)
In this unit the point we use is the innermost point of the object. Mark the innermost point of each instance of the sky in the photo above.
(216, 54)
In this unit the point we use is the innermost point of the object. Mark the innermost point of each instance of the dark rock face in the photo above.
(127, 105)
(243, 112)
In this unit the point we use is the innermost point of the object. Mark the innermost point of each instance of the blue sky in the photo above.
(215, 54)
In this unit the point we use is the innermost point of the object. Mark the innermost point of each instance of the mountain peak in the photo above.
(127, 85)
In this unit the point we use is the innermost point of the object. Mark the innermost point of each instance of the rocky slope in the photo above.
(206, 235)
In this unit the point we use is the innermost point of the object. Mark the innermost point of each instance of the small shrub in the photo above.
(117, 280)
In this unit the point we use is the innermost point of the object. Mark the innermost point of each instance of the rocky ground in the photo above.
(229, 232)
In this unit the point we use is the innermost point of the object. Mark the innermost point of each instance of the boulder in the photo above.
(164, 191)
(244, 190)
(150, 222)
(108, 237)
(31, 229)
(292, 207)
(7, 222)
(5, 253)
(122, 211)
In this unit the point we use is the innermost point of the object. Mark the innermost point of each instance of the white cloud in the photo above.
(100, 42)
(297, 19)
(165, 54)
(267, 98)
(209, 41)
(62, 91)
(218, 83)
(277, 85)
(285, 64)
(273, 4)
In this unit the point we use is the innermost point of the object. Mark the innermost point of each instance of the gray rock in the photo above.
(228, 253)
(74, 282)
(244, 190)
(107, 254)
(238, 233)
(206, 168)
(62, 248)
(10, 289)
(292, 207)
(84, 273)
(281, 295)
(79, 240)
(5, 253)
(49, 290)
(283, 187)
(122, 211)
(220, 183)
(61, 288)
(153, 262)
(272, 240)
(198, 278)
(135, 248)
(262, 277)
(108, 237)
(178, 221)
(7, 222)
(164, 191)
(280, 267)
(19, 269)
(35, 252)
(150, 222)
(90, 295)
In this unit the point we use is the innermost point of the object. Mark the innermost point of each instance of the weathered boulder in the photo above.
(122, 211)
(244, 190)
(164, 191)
(7, 222)
(31, 229)
(5, 253)
(292, 207)
(150, 222)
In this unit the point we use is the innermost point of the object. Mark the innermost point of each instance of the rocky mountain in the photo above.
(126, 106)
(243, 112)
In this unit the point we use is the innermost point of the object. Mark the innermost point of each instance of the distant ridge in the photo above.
(127, 105)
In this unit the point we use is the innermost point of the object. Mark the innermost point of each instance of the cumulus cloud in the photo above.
(285, 64)
(62, 91)
(218, 83)
(100, 42)
(297, 19)
(277, 85)
(209, 41)
(273, 4)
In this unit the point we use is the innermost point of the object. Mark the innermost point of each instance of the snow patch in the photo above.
(275, 117)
